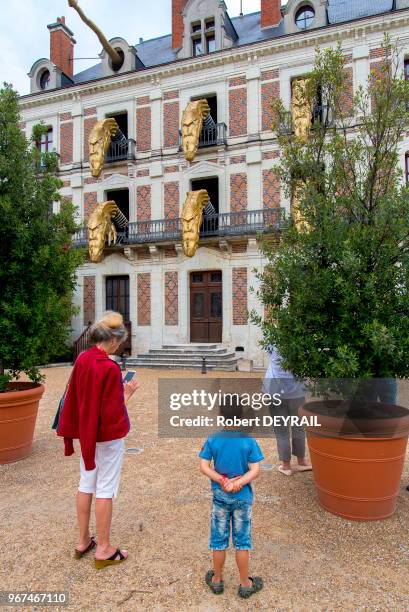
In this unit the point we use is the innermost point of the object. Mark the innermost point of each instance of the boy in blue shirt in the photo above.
(236, 463)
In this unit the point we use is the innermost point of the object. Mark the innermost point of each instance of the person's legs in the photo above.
(282, 434)
(242, 560)
(219, 557)
(241, 532)
(84, 501)
(297, 432)
(108, 457)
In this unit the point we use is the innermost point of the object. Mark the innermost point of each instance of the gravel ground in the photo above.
(309, 559)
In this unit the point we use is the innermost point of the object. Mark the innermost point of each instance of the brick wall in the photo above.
(89, 299)
(171, 200)
(171, 298)
(143, 284)
(269, 92)
(62, 49)
(238, 192)
(239, 297)
(143, 124)
(143, 203)
(177, 23)
(66, 142)
(171, 124)
(271, 189)
(89, 123)
(237, 107)
(90, 202)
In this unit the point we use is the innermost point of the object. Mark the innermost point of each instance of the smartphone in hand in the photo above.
(129, 376)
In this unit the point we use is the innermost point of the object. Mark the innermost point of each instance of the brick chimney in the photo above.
(270, 13)
(62, 46)
(177, 23)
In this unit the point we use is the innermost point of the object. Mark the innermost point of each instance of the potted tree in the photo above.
(335, 288)
(37, 275)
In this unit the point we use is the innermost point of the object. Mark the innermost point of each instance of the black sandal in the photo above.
(80, 553)
(216, 587)
(246, 592)
(112, 560)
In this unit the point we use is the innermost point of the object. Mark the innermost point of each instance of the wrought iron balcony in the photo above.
(210, 136)
(119, 150)
(218, 225)
(322, 114)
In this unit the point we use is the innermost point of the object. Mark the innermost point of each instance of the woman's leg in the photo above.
(297, 432)
(84, 501)
(282, 433)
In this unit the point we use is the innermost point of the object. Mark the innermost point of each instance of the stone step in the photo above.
(142, 363)
(173, 351)
(192, 347)
(194, 361)
(187, 356)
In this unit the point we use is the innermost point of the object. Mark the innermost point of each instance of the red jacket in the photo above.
(94, 407)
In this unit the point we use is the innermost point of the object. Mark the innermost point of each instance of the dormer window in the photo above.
(203, 37)
(305, 17)
(45, 79)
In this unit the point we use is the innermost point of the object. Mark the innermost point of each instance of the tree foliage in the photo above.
(336, 286)
(37, 264)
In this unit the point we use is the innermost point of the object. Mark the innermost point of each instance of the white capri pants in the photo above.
(103, 481)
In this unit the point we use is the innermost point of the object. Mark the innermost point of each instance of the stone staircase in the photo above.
(186, 357)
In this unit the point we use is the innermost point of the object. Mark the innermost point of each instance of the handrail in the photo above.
(213, 135)
(122, 149)
(266, 220)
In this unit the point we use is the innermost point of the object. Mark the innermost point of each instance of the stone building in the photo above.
(238, 65)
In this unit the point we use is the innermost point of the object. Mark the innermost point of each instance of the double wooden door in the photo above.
(206, 306)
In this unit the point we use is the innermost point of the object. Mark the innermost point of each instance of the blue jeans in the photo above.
(227, 511)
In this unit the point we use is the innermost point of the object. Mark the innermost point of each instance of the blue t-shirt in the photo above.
(231, 452)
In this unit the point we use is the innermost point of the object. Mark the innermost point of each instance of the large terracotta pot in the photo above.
(358, 462)
(18, 413)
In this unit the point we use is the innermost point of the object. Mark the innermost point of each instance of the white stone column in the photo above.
(157, 304)
(254, 179)
(360, 57)
(77, 138)
(156, 119)
(227, 305)
(253, 100)
(77, 196)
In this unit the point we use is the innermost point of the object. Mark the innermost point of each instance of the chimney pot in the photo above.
(270, 13)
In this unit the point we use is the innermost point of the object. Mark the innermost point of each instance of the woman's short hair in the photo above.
(109, 327)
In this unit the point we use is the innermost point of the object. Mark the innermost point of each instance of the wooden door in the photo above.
(117, 299)
(206, 306)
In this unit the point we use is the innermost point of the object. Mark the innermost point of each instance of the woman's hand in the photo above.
(130, 388)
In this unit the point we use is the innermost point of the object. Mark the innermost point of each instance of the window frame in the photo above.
(305, 7)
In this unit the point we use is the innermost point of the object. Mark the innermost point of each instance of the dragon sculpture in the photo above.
(99, 140)
(192, 215)
(101, 228)
(116, 58)
(193, 117)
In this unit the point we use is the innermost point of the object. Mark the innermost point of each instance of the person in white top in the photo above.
(290, 440)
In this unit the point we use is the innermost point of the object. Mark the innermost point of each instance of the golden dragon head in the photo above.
(99, 141)
(101, 228)
(192, 215)
(192, 123)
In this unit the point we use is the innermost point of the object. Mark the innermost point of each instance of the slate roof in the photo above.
(159, 51)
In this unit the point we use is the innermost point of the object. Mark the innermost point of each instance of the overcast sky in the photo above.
(24, 36)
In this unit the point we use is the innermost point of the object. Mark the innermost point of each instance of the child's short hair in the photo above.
(231, 406)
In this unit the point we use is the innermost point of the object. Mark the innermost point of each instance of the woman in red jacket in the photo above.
(94, 412)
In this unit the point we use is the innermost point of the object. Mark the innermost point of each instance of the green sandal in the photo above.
(246, 592)
(216, 587)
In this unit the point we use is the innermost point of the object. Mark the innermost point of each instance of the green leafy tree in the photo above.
(336, 286)
(37, 263)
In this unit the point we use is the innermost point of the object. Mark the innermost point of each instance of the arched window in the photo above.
(45, 79)
(304, 17)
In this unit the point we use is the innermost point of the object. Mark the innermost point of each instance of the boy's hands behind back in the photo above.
(232, 485)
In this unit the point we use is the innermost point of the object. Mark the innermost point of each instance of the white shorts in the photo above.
(103, 481)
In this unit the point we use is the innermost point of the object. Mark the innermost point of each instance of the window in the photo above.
(210, 43)
(407, 69)
(197, 47)
(210, 24)
(304, 18)
(45, 79)
(196, 27)
(46, 142)
(407, 168)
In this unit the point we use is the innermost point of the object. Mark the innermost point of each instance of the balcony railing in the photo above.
(211, 136)
(217, 225)
(121, 150)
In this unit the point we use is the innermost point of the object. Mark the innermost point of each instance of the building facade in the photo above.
(238, 65)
